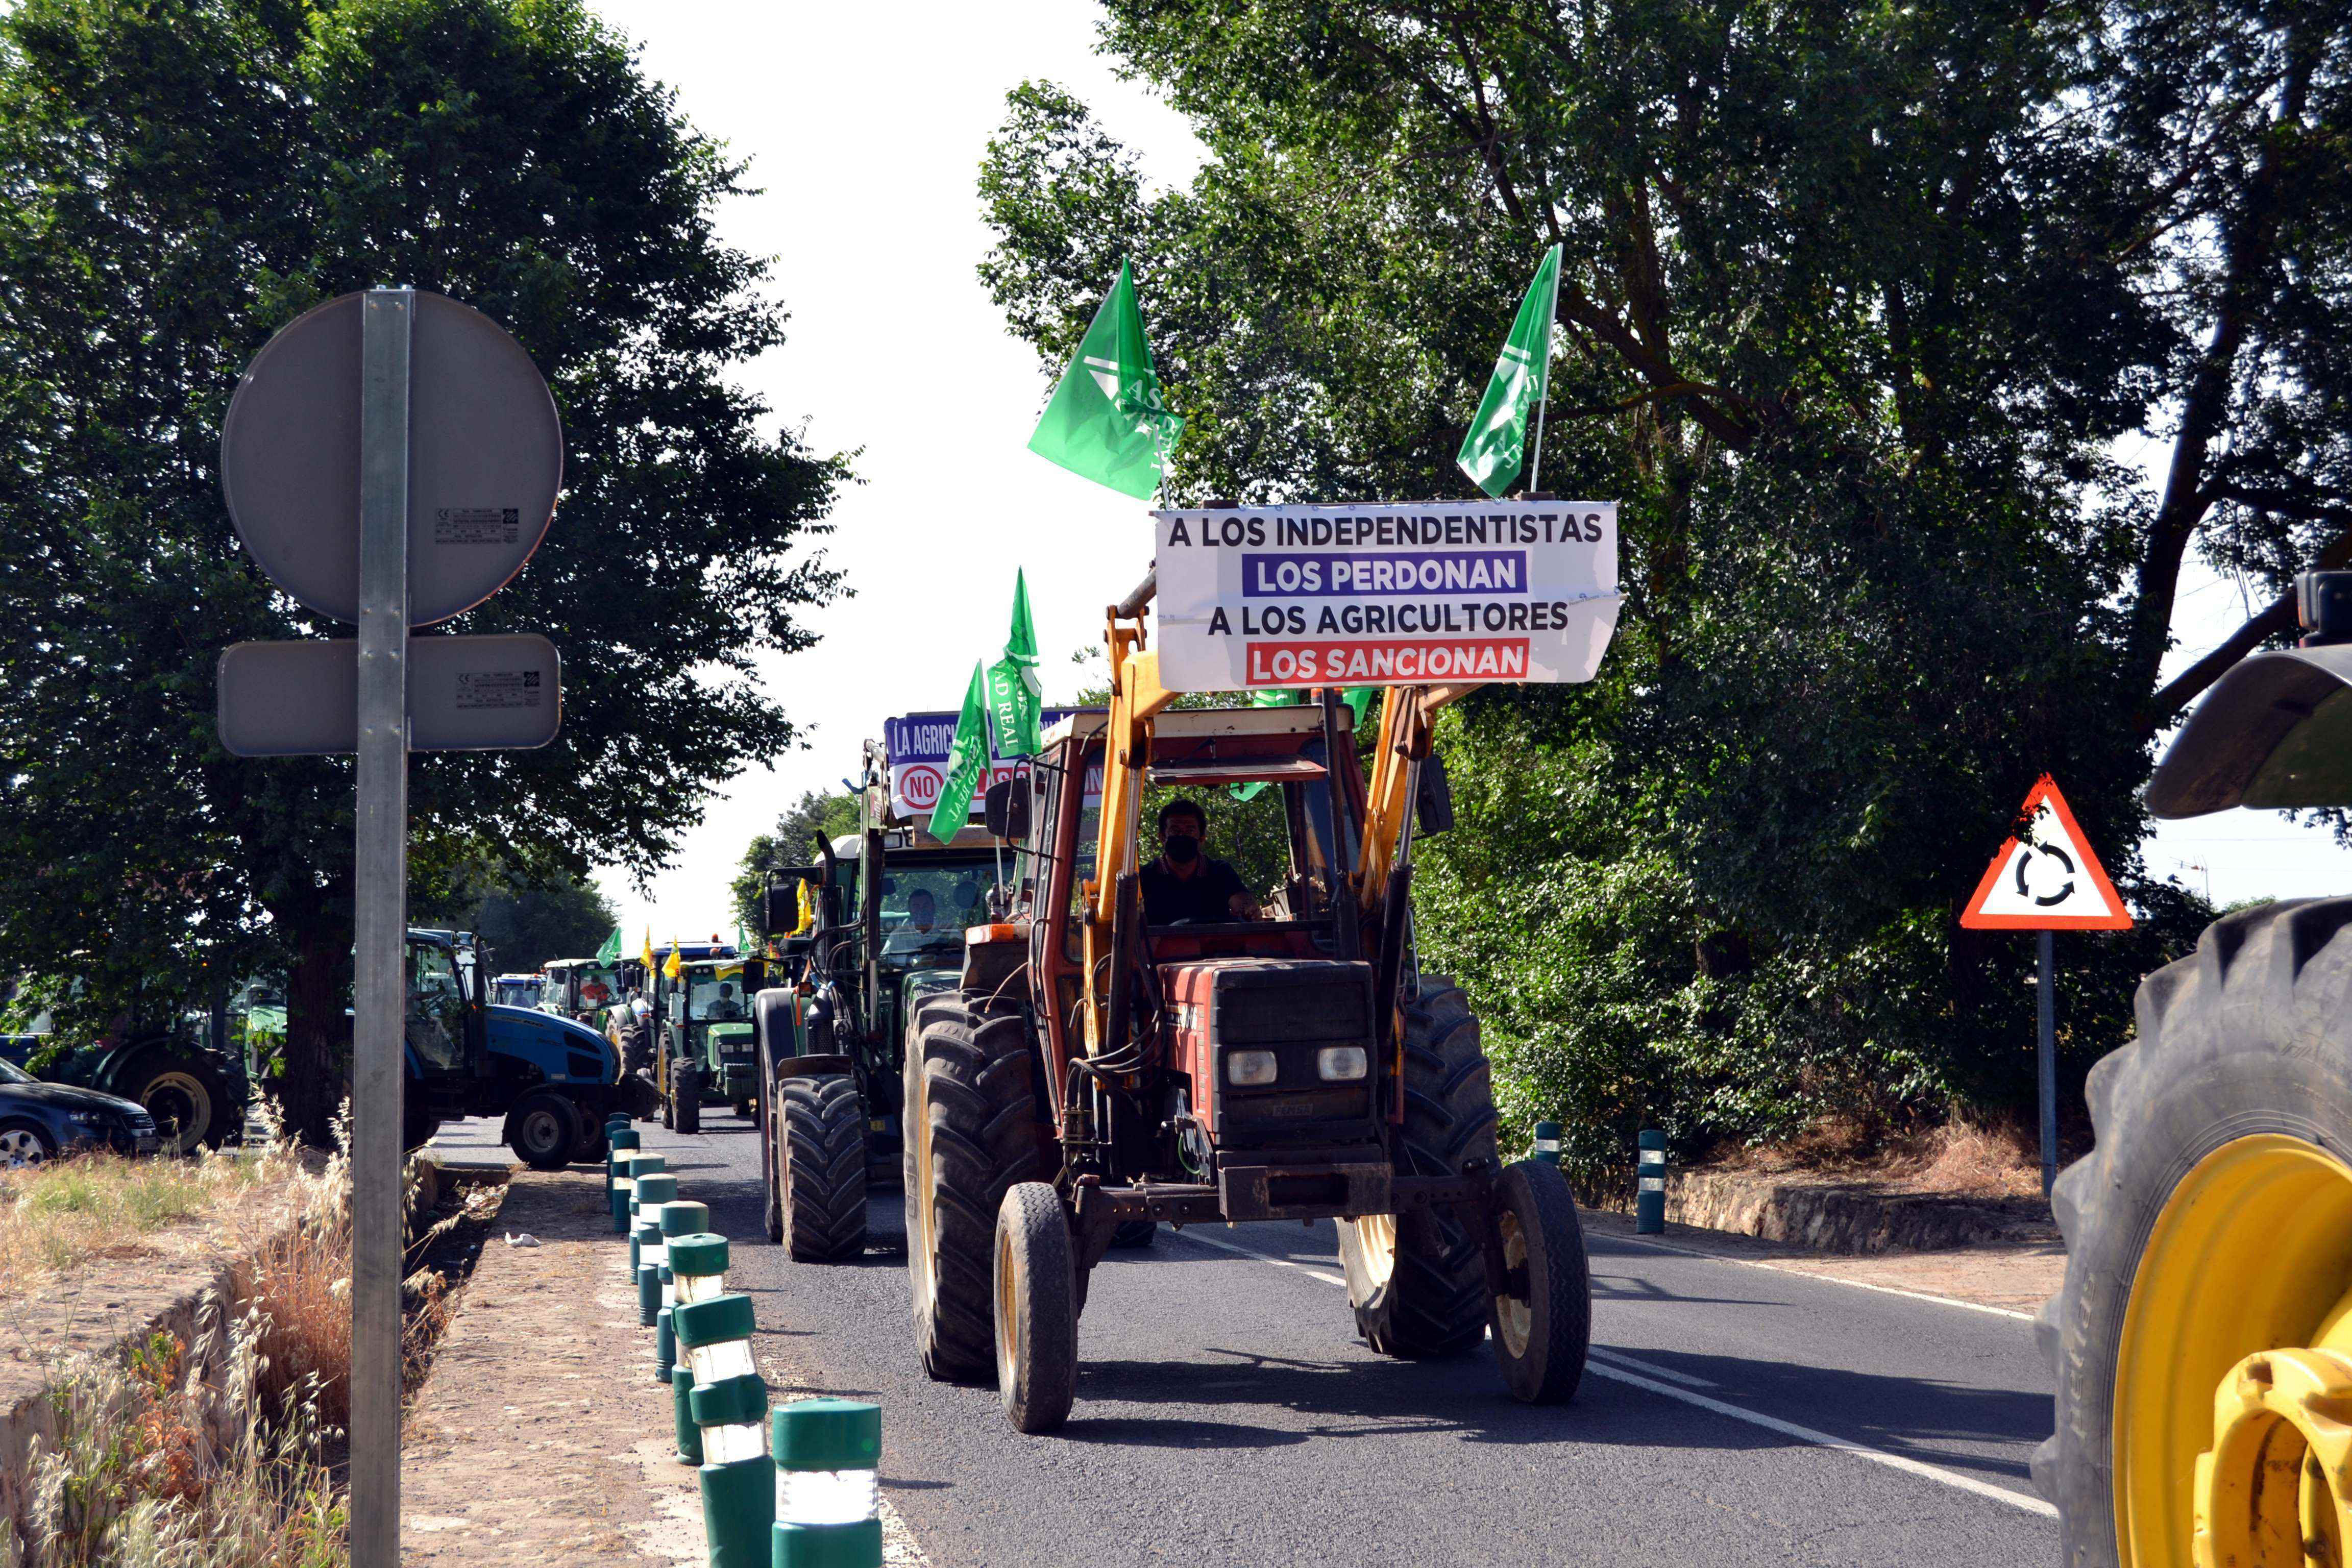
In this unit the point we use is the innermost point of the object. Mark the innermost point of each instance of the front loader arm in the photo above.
(1135, 695)
(1407, 714)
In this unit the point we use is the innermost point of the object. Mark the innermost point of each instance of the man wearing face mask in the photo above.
(1183, 884)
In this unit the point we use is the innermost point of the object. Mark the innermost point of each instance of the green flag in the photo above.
(1015, 697)
(967, 762)
(610, 951)
(1497, 443)
(1107, 420)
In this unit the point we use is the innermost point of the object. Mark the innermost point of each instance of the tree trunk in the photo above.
(318, 1022)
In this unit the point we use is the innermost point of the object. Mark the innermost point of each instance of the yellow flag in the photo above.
(808, 910)
(649, 952)
(673, 969)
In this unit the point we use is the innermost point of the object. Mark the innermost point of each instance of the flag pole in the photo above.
(1552, 314)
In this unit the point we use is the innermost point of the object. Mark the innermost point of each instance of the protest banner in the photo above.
(1439, 593)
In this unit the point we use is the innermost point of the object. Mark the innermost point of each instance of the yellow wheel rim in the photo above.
(2252, 1253)
(926, 1222)
(1376, 1241)
(1515, 1316)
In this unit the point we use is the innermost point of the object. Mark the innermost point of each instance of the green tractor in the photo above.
(703, 1044)
(581, 989)
(892, 905)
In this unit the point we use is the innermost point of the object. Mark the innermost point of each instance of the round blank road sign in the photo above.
(485, 458)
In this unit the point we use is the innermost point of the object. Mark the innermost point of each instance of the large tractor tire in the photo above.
(1036, 1322)
(2209, 1247)
(820, 1158)
(971, 1125)
(1418, 1281)
(186, 1096)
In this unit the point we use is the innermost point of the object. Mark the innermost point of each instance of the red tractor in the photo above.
(1098, 1071)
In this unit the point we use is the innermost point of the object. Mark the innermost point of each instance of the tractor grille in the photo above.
(1292, 1008)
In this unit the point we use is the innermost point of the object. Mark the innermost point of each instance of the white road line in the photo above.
(1824, 1279)
(2016, 1500)
(1617, 1367)
(1253, 1252)
(1619, 1358)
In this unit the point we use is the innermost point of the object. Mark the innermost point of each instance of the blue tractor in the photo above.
(553, 1080)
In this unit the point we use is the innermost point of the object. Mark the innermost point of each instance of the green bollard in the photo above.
(1547, 1142)
(1650, 1185)
(648, 1238)
(738, 1485)
(665, 1349)
(828, 1454)
(624, 1195)
(698, 1266)
(689, 1436)
(624, 1181)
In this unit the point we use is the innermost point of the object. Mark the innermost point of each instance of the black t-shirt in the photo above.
(1204, 896)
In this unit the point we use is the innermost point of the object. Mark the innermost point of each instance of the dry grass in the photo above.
(1960, 1159)
(58, 1215)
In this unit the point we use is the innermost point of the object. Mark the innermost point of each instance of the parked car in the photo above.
(39, 1121)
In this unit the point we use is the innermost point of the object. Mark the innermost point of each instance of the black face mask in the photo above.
(1183, 849)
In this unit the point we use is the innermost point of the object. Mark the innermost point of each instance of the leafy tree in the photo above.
(817, 816)
(1857, 305)
(524, 924)
(179, 179)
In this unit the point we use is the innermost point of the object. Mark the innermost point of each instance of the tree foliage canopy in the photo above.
(179, 179)
(1859, 307)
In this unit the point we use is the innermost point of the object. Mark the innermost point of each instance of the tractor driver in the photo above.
(1185, 885)
(724, 1008)
(922, 916)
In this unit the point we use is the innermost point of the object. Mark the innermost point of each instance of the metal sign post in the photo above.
(379, 921)
(2046, 881)
(391, 457)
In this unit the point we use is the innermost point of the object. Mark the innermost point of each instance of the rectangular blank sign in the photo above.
(465, 694)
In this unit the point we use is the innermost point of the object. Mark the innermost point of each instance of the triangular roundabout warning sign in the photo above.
(2048, 880)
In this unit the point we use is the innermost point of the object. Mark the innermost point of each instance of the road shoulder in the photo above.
(541, 1436)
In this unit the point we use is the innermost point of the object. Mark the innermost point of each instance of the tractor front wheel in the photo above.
(1542, 1319)
(542, 1129)
(820, 1157)
(1418, 1280)
(1036, 1309)
(971, 1136)
(685, 1087)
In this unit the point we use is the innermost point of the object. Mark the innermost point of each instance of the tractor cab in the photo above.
(1252, 1015)
(517, 990)
(581, 989)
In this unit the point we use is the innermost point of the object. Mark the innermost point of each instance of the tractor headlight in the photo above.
(1342, 1064)
(1249, 1069)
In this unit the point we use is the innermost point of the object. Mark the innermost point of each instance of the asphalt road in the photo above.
(1228, 1414)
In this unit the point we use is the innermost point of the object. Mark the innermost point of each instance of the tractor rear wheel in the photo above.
(1036, 1309)
(1418, 1280)
(1542, 1321)
(821, 1166)
(2208, 1234)
(970, 1135)
(186, 1097)
(685, 1087)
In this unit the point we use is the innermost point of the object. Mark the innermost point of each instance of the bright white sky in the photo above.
(866, 125)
